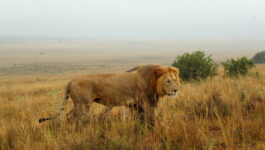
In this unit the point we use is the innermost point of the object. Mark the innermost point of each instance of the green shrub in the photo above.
(238, 67)
(259, 58)
(195, 66)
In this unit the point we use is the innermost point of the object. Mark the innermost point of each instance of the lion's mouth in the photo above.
(172, 95)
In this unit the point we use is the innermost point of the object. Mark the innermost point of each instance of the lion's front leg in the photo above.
(148, 115)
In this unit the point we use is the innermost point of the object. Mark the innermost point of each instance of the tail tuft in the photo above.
(61, 109)
(43, 119)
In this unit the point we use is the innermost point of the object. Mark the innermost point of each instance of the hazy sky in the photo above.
(134, 18)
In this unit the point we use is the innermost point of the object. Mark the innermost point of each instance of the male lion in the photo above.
(138, 88)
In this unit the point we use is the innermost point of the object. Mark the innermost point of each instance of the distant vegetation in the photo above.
(195, 66)
(241, 66)
(259, 58)
(51, 68)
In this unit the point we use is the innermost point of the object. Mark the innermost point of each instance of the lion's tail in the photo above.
(67, 91)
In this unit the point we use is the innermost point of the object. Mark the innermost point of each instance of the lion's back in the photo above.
(108, 86)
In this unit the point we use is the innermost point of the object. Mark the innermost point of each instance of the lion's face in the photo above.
(168, 82)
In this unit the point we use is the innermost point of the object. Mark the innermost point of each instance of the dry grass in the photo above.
(219, 113)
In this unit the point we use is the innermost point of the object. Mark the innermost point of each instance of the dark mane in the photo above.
(133, 69)
(147, 73)
(142, 67)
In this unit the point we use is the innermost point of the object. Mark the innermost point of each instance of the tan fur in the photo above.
(140, 86)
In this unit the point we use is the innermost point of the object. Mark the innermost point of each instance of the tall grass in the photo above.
(219, 113)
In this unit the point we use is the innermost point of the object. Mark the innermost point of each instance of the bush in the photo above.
(259, 58)
(238, 67)
(195, 66)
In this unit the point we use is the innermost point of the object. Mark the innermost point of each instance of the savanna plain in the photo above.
(217, 113)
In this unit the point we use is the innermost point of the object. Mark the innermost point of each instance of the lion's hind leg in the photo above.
(79, 111)
(105, 112)
(71, 115)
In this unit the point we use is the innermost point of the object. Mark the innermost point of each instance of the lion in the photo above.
(139, 88)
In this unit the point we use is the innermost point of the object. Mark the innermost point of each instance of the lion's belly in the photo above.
(114, 95)
(115, 102)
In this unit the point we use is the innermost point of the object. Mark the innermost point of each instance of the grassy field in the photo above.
(219, 113)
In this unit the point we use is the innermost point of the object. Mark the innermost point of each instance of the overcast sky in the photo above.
(134, 18)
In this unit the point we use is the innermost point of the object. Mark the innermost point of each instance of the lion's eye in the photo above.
(168, 81)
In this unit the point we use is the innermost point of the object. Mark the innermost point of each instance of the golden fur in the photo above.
(140, 86)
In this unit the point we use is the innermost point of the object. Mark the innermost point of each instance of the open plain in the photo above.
(218, 113)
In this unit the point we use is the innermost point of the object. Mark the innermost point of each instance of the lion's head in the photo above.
(167, 81)
(164, 81)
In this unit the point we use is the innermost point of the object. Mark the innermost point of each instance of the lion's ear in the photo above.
(160, 71)
(176, 70)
